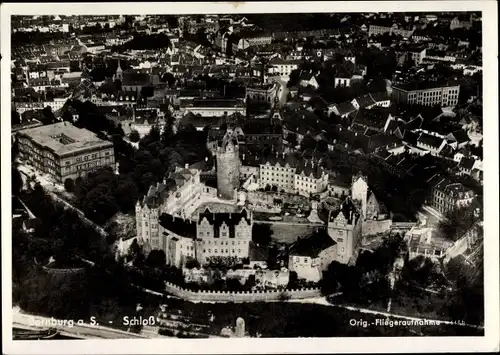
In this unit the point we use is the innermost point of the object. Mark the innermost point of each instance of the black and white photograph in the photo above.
(247, 172)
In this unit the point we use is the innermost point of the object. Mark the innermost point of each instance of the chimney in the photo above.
(186, 166)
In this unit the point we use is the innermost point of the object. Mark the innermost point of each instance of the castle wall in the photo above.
(240, 296)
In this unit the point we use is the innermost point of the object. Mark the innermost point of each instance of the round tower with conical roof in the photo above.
(228, 167)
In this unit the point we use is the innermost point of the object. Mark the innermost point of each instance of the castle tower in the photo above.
(228, 167)
(359, 191)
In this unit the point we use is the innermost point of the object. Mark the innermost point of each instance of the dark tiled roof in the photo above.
(135, 79)
(177, 225)
(348, 209)
(231, 219)
(257, 253)
(467, 163)
(374, 118)
(312, 245)
(365, 101)
(380, 96)
(345, 108)
(429, 140)
(461, 136)
(410, 137)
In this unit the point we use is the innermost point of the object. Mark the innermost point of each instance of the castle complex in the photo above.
(167, 218)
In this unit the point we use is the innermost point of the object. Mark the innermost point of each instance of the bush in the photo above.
(134, 136)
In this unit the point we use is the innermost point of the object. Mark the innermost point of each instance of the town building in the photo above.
(447, 196)
(224, 234)
(427, 94)
(64, 151)
(344, 227)
(309, 257)
(213, 107)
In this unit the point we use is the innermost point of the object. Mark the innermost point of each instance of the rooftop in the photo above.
(63, 138)
(313, 245)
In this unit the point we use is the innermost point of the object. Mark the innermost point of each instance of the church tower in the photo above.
(228, 167)
(119, 72)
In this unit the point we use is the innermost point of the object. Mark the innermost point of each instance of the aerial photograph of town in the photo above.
(247, 175)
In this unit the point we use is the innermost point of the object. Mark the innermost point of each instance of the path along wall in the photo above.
(240, 296)
(375, 227)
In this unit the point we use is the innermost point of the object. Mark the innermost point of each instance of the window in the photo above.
(340, 240)
(215, 250)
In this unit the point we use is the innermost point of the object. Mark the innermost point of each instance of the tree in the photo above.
(168, 78)
(48, 116)
(15, 117)
(147, 91)
(294, 78)
(192, 263)
(134, 248)
(308, 142)
(117, 85)
(69, 185)
(261, 234)
(17, 181)
(156, 258)
(134, 136)
(293, 281)
(292, 139)
(457, 222)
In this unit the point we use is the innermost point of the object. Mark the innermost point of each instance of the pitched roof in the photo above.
(345, 107)
(467, 163)
(230, 219)
(257, 253)
(178, 225)
(348, 210)
(132, 78)
(461, 136)
(374, 118)
(429, 140)
(312, 246)
(365, 101)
